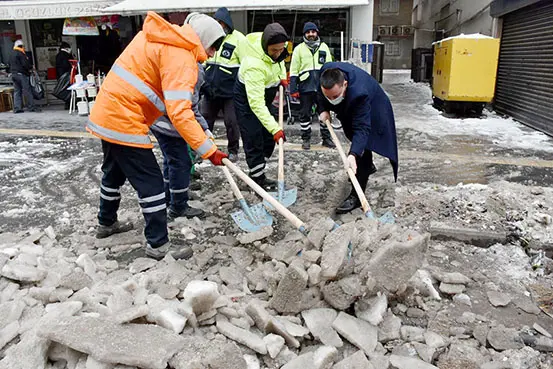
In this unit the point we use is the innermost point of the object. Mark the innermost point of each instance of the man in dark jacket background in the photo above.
(20, 68)
(63, 65)
(221, 71)
(367, 118)
(62, 60)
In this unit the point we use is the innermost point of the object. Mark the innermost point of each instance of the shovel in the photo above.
(285, 197)
(386, 218)
(250, 218)
(296, 222)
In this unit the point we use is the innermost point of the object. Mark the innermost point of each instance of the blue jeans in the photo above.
(176, 170)
(22, 87)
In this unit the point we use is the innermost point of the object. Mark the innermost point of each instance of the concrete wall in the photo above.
(405, 43)
(453, 17)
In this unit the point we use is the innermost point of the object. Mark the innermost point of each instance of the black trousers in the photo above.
(210, 110)
(140, 167)
(307, 100)
(365, 167)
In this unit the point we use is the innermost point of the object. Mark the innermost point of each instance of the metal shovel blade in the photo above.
(253, 219)
(387, 218)
(285, 197)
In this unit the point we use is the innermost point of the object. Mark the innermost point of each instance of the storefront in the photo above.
(43, 25)
(352, 17)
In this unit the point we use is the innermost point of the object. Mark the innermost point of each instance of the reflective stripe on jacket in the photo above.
(222, 69)
(305, 66)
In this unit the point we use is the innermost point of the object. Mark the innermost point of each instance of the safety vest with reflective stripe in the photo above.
(305, 65)
(258, 73)
(221, 69)
(154, 75)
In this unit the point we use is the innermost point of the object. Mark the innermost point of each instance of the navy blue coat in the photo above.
(366, 114)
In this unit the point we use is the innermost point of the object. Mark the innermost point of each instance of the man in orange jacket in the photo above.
(155, 75)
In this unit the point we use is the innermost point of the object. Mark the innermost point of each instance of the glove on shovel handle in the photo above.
(270, 199)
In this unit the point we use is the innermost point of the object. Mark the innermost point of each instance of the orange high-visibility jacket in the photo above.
(154, 75)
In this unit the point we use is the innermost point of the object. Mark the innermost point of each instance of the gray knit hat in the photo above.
(208, 29)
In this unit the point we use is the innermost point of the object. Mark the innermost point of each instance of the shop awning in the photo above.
(50, 9)
(142, 6)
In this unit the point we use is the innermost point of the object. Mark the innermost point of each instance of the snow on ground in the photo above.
(417, 113)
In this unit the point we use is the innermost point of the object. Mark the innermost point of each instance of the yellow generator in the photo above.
(464, 73)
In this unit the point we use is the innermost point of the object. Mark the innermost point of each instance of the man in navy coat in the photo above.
(367, 118)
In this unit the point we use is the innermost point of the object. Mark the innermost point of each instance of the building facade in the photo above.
(434, 20)
(392, 27)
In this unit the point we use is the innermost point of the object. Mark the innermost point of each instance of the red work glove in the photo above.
(295, 95)
(217, 157)
(284, 83)
(280, 134)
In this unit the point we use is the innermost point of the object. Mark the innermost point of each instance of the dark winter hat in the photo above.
(223, 15)
(310, 26)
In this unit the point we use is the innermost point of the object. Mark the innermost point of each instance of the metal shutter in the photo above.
(524, 87)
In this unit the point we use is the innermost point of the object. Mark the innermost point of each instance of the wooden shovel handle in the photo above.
(270, 199)
(281, 141)
(233, 184)
(360, 194)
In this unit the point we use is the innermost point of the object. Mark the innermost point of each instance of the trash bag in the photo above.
(60, 90)
(36, 86)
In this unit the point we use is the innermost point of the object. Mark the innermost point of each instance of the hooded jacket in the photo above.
(222, 69)
(208, 30)
(155, 75)
(163, 124)
(19, 61)
(259, 77)
(366, 114)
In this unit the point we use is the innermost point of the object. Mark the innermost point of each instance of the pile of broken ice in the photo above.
(293, 304)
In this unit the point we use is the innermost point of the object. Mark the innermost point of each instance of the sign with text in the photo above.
(50, 10)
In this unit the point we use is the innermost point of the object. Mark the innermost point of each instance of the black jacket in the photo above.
(20, 63)
(62, 63)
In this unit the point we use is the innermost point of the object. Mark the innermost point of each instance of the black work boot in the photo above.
(350, 203)
(306, 145)
(266, 183)
(105, 231)
(189, 213)
(327, 142)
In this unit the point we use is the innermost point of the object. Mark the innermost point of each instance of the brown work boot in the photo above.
(177, 252)
(105, 231)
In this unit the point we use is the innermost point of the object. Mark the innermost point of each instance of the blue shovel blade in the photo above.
(289, 197)
(387, 218)
(260, 219)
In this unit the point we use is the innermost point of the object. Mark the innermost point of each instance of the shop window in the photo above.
(388, 7)
(391, 48)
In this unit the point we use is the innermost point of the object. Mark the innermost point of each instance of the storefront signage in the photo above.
(41, 10)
